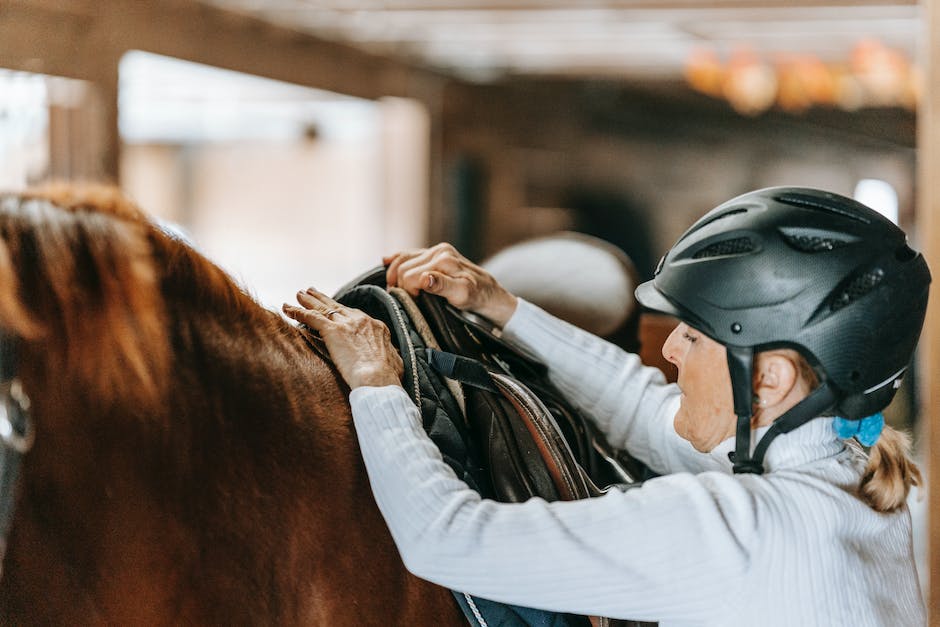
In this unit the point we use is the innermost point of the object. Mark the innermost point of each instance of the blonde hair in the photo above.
(890, 473)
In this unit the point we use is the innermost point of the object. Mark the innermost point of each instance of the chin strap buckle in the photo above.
(748, 466)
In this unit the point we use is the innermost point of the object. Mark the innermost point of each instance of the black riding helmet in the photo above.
(790, 267)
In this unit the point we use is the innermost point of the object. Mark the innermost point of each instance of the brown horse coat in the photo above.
(194, 461)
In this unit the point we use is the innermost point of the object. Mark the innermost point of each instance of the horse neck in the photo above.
(310, 526)
(304, 519)
(194, 463)
(274, 410)
(213, 503)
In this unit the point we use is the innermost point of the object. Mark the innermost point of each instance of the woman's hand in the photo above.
(443, 271)
(360, 346)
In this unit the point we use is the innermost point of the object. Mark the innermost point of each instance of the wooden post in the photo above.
(110, 136)
(928, 229)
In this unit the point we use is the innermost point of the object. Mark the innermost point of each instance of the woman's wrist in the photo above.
(499, 310)
(373, 377)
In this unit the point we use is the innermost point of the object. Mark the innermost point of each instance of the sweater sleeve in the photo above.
(630, 403)
(675, 548)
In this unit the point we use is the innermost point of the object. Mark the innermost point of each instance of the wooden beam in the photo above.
(548, 5)
(928, 229)
(36, 39)
(39, 36)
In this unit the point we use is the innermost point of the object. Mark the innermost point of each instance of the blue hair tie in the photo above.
(866, 431)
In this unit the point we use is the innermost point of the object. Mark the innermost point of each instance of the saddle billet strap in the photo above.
(462, 369)
(569, 480)
(560, 461)
(514, 470)
(522, 464)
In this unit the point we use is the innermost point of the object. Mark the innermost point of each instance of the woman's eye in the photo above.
(689, 337)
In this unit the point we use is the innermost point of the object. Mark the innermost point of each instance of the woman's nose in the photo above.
(671, 347)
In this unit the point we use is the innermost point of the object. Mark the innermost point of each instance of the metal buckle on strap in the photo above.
(16, 427)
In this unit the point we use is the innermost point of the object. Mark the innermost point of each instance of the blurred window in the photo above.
(880, 196)
(24, 127)
(284, 186)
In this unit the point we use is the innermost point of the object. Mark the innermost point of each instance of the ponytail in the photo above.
(890, 473)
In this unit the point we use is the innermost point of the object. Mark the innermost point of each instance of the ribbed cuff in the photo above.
(385, 406)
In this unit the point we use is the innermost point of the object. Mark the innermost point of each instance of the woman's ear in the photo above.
(775, 377)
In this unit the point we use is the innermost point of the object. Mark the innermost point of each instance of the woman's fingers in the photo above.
(311, 297)
(359, 346)
(414, 278)
(317, 309)
(407, 270)
(443, 271)
(402, 270)
(402, 266)
(455, 289)
(392, 272)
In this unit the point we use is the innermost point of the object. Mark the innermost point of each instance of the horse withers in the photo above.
(194, 460)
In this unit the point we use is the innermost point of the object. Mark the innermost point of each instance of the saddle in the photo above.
(498, 421)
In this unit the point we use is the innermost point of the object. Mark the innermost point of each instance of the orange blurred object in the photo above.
(883, 72)
(750, 84)
(804, 81)
(704, 72)
(874, 75)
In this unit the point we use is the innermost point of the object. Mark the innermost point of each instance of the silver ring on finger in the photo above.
(330, 313)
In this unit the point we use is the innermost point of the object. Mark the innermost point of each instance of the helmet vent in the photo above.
(812, 243)
(856, 288)
(736, 246)
(715, 217)
(832, 205)
(722, 216)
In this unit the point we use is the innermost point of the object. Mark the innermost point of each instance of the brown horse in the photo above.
(194, 458)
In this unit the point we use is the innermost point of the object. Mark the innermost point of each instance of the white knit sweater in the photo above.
(699, 546)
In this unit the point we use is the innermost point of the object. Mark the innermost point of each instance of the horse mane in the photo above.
(88, 276)
(213, 407)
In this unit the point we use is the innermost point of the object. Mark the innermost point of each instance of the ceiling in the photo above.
(484, 40)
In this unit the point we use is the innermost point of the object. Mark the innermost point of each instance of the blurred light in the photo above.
(882, 71)
(874, 76)
(750, 85)
(880, 196)
(704, 72)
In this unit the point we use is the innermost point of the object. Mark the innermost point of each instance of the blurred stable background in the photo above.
(296, 142)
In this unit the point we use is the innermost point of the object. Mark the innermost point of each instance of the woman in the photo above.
(797, 306)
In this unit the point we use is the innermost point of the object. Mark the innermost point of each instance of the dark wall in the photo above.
(636, 165)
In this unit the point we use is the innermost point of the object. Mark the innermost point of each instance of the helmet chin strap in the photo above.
(740, 365)
(821, 399)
